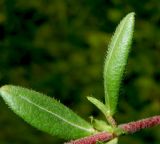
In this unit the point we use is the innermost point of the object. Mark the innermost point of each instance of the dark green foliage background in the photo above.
(58, 47)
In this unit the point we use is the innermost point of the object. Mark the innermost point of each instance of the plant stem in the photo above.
(133, 127)
(127, 128)
(102, 136)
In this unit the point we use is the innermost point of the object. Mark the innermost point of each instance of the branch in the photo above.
(127, 128)
(102, 136)
(133, 127)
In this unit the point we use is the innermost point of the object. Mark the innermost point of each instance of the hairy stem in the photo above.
(102, 136)
(127, 128)
(133, 127)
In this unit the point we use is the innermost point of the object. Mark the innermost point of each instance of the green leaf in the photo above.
(45, 113)
(113, 141)
(116, 60)
(102, 126)
(99, 142)
(99, 105)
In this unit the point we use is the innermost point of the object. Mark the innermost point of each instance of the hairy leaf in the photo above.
(116, 60)
(99, 105)
(45, 113)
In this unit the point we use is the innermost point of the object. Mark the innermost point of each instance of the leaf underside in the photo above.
(116, 60)
(45, 113)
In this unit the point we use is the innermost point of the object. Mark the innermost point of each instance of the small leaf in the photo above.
(102, 126)
(116, 60)
(113, 141)
(99, 142)
(45, 113)
(99, 105)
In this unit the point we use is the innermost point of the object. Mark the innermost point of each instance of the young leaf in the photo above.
(113, 141)
(103, 109)
(116, 60)
(102, 126)
(99, 105)
(45, 113)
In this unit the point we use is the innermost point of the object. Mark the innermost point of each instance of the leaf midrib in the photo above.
(56, 115)
(110, 56)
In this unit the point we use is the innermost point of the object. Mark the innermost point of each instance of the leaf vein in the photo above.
(56, 115)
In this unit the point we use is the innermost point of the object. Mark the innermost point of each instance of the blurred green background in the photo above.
(58, 47)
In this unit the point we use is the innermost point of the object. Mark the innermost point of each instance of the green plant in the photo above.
(51, 116)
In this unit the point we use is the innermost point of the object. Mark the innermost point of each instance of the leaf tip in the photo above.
(89, 98)
(131, 16)
(4, 88)
(131, 13)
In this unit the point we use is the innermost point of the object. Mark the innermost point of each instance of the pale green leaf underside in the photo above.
(116, 60)
(45, 113)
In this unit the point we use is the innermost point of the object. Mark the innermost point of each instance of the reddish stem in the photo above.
(141, 124)
(102, 136)
(127, 128)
